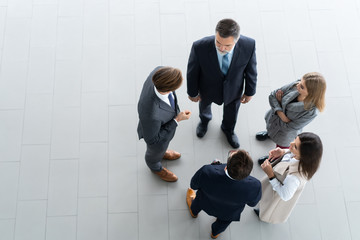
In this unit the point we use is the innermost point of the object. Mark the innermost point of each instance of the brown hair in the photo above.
(167, 79)
(228, 28)
(311, 150)
(239, 165)
(316, 86)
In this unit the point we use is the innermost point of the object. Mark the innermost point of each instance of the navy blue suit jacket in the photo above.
(204, 75)
(222, 197)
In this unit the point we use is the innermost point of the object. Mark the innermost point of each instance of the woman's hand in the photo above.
(267, 168)
(283, 117)
(279, 95)
(276, 153)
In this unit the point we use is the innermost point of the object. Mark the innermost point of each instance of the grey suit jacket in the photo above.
(156, 124)
(283, 133)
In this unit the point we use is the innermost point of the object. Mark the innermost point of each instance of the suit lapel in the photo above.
(162, 104)
(214, 58)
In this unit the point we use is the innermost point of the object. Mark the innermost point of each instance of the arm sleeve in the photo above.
(195, 182)
(286, 191)
(154, 132)
(299, 122)
(274, 104)
(193, 74)
(256, 199)
(250, 75)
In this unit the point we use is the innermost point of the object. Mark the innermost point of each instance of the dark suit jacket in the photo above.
(221, 196)
(204, 75)
(156, 124)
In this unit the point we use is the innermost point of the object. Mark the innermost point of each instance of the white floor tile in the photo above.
(63, 188)
(7, 228)
(154, 221)
(34, 172)
(38, 119)
(11, 132)
(92, 219)
(123, 185)
(123, 226)
(30, 220)
(9, 175)
(93, 170)
(59, 228)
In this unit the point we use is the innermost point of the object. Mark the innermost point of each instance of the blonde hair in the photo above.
(316, 86)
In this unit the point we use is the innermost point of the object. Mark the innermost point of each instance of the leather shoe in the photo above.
(262, 136)
(171, 155)
(262, 159)
(190, 196)
(166, 175)
(201, 129)
(232, 138)
(215, 237)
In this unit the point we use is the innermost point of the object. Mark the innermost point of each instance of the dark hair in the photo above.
(311, 150)
(167, 79)
(228, 28)
(239, 165)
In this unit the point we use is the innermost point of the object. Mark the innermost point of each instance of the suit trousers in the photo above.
(218, 226)
(230, 112)
(153, 156)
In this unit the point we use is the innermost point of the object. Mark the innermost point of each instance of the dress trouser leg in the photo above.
(154, 155)
(205, 111)
(230, 113)
(219, 226)
(195, 206)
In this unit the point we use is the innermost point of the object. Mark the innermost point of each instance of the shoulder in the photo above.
(252, 182)
(204, 42)
(247, 41)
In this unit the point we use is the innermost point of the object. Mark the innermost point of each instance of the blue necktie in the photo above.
(225, 64)
(171, 100)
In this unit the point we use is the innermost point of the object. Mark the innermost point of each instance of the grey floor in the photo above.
(71, 166)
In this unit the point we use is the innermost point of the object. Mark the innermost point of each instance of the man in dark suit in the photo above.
(223, 190)
(159, 116)
(219, 66)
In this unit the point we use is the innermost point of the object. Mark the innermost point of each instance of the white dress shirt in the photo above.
(291, 182)
(164, 98)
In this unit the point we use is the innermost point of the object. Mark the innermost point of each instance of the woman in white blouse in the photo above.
(287, 173)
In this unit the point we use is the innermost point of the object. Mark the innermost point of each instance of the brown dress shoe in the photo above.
(166, 175)
(171, 155)
(214, 237)
(190, 196)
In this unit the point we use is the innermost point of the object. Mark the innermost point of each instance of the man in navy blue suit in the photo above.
(222, 70)
(223, 190)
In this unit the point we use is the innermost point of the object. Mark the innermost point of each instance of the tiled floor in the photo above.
(71, 166)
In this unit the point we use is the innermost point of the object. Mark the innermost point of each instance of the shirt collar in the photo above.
(162, 97)
(227, 174)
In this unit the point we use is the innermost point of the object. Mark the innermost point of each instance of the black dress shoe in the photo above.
(232, 138)
(262, 136)
(262, 159)
(257, 212)
(201, 129)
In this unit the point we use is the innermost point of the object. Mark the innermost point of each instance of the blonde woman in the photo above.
(293, 106)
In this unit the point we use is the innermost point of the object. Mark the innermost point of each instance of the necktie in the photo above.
(171, 100)
(225, 64)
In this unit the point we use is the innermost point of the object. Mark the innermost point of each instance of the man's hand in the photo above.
(245, 98)
(184, 115)
(195, 99)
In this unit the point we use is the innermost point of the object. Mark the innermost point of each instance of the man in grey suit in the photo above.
(159, 115)
(222, 69)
